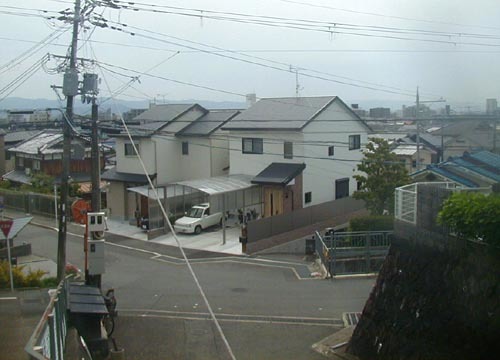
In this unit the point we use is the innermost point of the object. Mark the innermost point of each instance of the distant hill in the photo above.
(117, 106)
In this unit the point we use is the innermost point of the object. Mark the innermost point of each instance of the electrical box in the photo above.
(90, 84)
(70, 83)
(96, 221)
(96, 257)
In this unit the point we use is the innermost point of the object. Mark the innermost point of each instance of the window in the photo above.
(308, 197)
(341, 188)
(354, 142)
(331, 150)
(129, 149)
(185, 148)
(20, 161)
(36, 164)
(414, 163)
(288, 150)
(252, 146)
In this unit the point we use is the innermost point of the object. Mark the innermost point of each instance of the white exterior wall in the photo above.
(219, 158)
(168, 154)
(131, 164)
(330, 128)
(273, 148)
(196, 164)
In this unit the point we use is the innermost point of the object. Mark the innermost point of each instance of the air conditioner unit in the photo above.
(27, 171)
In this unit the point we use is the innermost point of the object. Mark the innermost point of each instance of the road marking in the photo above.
(242, 318)
(8, 298)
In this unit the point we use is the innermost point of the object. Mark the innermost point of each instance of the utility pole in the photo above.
(70, 89)
(96, 163)
(417, 115)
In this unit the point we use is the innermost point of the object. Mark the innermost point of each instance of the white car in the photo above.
(197, 219)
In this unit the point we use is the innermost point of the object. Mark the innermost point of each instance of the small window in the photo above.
(185, 148)
(354, 142)
(20, 161)
(308, 197)
(288, 150)
(129, 149)
(252, 146)
(36, 164)
(331, 150)
(414, 163)
(341, 188)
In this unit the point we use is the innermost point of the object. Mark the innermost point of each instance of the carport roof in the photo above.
(220, 184)
(210, 186)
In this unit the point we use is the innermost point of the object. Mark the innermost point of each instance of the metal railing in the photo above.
(406, 198)
(360, 247)
(29, 202)
(48, 341)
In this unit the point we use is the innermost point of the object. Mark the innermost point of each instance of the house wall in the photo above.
(168, 154)
(121, 203)
(196, 164)
(130, 163)
(425, 159)
(219, 148)
(331, 128)
(273, 150)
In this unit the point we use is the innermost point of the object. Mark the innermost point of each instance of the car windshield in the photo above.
(195, 213)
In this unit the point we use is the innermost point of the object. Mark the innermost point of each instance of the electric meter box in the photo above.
(96, 221)
(96, 257)
(70, 83)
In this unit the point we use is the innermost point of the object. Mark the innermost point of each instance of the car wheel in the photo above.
(197, 230)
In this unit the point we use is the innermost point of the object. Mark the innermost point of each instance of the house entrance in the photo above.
(273, 201)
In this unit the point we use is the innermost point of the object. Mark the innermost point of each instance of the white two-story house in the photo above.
(175, 142)
(302, 150)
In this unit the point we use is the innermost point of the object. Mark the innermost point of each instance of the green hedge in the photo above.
(372, 223)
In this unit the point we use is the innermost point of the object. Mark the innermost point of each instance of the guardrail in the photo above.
(49, 338)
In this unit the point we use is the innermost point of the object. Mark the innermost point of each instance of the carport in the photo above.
(226, 194)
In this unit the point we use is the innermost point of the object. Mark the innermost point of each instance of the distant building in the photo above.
(23, 117)
(380, 113)
(360, 112)
(491, 106)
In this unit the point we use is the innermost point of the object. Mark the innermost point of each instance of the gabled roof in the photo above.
(163, 112)
(209, 123)
(290, 113)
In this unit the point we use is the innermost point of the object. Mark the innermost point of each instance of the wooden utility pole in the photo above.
(70, 90)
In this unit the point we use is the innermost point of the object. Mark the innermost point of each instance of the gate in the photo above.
(357, 252)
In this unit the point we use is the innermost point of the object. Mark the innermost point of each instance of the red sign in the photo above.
(5, 225)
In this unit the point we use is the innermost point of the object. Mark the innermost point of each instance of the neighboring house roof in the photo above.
(472, 170)
(209, 123)
(42, 143)
(17, 136)
(113, 175)
(463, 127)
(163, 112)
(408, 149)
(17, 176)
(279, 173)
(292, 113)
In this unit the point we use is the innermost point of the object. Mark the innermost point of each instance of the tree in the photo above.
(472, 216)
(383, 172)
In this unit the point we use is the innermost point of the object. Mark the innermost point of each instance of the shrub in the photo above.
(472, 216)
(21, 279)
(372, 223)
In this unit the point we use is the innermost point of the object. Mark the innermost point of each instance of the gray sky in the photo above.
(443, 65)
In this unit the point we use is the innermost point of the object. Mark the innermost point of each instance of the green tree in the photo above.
(40, 183)
(472, 216)
(382, 173)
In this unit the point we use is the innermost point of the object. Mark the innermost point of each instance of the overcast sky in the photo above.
(337, 46)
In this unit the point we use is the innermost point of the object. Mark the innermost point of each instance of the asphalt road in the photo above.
(264, 309)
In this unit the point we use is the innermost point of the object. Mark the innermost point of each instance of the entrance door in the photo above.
(273, 201)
